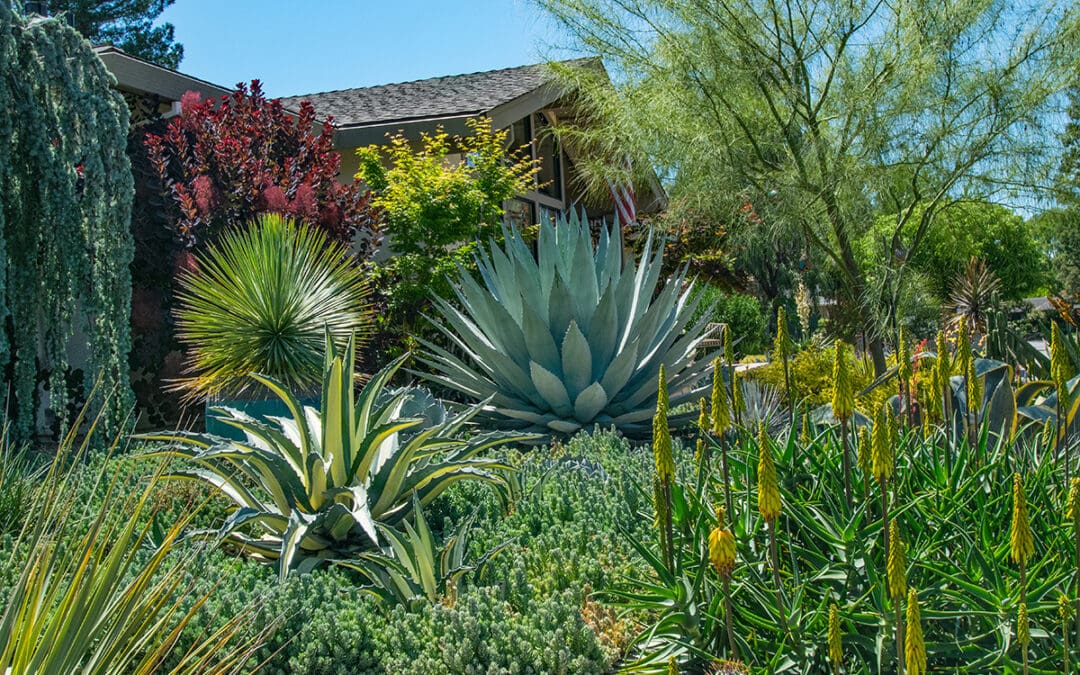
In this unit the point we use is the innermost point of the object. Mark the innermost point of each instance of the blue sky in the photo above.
(300, 47)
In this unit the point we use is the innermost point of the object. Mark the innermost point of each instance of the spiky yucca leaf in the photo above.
(571, 337)
(259, 302)
(315, 484)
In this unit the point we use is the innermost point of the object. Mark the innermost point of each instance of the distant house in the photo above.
(525, 100)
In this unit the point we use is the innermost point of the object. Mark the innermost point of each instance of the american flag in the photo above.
(624, 197)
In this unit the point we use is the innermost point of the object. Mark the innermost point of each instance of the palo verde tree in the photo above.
(65, 243)
(825, 115)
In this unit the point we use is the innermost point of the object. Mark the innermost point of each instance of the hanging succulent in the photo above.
(65, 216)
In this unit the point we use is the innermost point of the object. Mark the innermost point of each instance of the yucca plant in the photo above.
(98, 593)
(315, 484)
(572, 337)
(260, 301)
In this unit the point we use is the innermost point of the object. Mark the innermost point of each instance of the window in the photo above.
(547, 151)
(520, 214)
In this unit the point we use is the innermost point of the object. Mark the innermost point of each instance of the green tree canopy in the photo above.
(824, 115)
(967, 230)
(127, 24)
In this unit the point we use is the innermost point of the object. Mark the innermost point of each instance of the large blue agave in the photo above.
(571, 337)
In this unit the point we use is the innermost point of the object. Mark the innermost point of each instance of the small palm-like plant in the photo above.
(315, 484)
(259, 302)
(972, 295)
(573, 336)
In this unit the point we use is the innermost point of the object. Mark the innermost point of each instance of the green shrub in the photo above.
(742, 312)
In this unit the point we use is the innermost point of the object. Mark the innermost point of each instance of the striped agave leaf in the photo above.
(571, 337)
(315, 484)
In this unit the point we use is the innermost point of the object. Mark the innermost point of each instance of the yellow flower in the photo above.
(974, 388)
(804, 434)
(665, 465)
(729, 351)
(1021, 543)
(897, 567)
(1059, 364)
(1023, 628)
(1049, 434)
(866, 461)
(843, 399)
(672, 666)
(782, 341)
(737, 403)
(768, 490)
(914, 648)
(836, 652)
(903, 358)
(703, 415)
(1072, 506)
(880, 448)
(721, 416)
(722, 550)
(963, 350)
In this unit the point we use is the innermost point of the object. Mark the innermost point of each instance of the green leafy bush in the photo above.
(741, 312)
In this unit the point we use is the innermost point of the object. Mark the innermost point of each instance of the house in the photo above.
(526, 101)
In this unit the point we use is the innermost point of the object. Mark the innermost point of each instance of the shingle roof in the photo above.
(437, 97)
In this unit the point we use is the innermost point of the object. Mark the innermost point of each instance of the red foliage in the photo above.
(226, 161)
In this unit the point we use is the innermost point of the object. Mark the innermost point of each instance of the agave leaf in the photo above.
(539, 343)
(576, 361)
(551, 389)
(590, 402)
(560, 307)
(586, 293)
(603, 333)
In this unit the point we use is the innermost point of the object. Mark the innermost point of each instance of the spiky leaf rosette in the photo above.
(260, 301)
(843, 399)
(897, 566)
(572, 337)
(768, 489)
(836, 651)
(914, 647)
(1021, 542)
(721, 416)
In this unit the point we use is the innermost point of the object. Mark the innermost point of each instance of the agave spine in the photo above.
(572, 337)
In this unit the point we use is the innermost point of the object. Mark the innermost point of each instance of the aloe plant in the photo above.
(260, 300)
(315, 485)
(572, 337)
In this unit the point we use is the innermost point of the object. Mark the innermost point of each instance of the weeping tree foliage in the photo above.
(824, 115)
(65, 211)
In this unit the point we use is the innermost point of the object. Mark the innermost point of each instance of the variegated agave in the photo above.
(572, 337)
(314, 485)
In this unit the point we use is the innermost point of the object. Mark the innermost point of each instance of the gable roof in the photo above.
(431, 99)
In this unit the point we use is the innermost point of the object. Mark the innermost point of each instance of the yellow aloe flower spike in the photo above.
(897, 566)
(703, 415)
(914, 647)
(782, 342)
(665, 465)
(721, 416)
(1021, 543)
(737, 403)
(1023, 626)
(768, 489)
(880, 448)
(672, 666)
(843, 399)
(903, 358)
(722, 547)
(1059, 364)
(866, 461)
(729, 350)
(1048, 433)
(974, 387)
(836, 651)
(1072, 506)
(963, 350)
